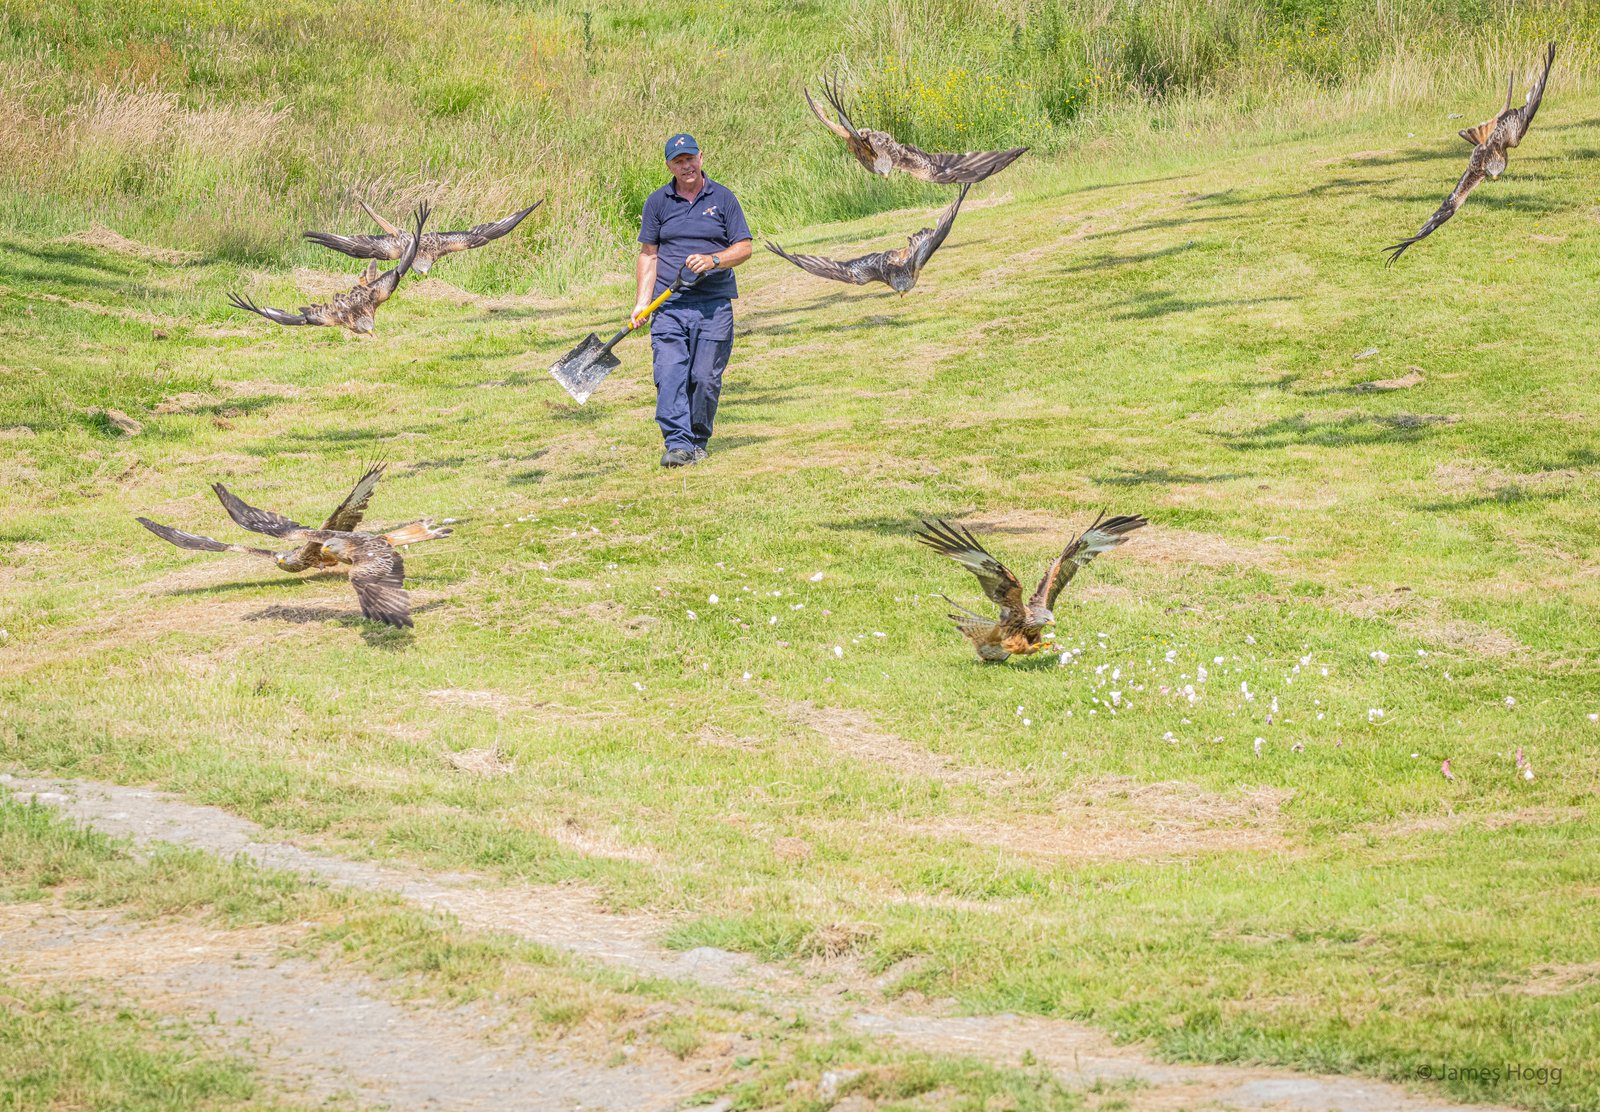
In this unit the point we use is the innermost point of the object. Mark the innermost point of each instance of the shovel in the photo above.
(585, 366)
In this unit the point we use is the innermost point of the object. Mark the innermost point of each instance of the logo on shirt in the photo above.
(712, 211)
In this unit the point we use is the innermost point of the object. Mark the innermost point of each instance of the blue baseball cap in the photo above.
(681, 143)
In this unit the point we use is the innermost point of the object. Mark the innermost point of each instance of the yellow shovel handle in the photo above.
(652, 307)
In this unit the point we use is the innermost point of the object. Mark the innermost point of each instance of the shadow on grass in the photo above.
(1155, 225)
(903, 525)
(1120, 184)
(233, 407)
(442, 463)
(755, 399)
(1165, 304)
(281, 582)
(530, 313)
(783, 310)
(125, 290)
(723, 444)
(573, 413)
(1336, 432)
(373, 633)
(1510, 494)
(1486, 200)
(1106, 262)
(288, 441)
(874, 322)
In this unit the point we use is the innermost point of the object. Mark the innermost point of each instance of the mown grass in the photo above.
(225, 128)
(1177, 324)
(1182, 342)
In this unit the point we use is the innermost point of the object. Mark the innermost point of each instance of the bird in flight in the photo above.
(395, 241)
(376, 569)
(354, 308)
(898, 269)
(882, 154)
(1017, 631)
(1490, 141)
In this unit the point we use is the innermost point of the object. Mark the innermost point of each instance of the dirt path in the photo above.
(321, 1035)
(568, 919)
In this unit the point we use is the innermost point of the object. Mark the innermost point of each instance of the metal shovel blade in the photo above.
(584, 367)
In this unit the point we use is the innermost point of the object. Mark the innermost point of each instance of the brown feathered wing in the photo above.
(196, 542)
(354, 507)
(378, 575)
(1469, 181)
(998, 583)
(1103, 535)
(1517, 122)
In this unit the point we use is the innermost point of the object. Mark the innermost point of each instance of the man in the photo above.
(691, 221)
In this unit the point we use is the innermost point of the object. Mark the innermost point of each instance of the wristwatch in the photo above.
(715, 262)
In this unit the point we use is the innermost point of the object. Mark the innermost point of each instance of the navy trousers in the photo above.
(691, 344)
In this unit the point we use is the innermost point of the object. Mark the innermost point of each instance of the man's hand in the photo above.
(638, 312)
(699, 263)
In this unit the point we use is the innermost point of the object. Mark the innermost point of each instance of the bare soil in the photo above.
(329, 1036)
(570, 918)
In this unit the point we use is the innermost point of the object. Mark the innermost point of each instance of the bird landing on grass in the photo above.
(1018, 631)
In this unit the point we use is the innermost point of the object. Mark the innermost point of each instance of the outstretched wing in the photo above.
(1517, 122)
(257, 521)
(195, 542)
(378, 575)
(276, 316)
(360, 247)
(962, 547)
(922, 248)
(350, 511)
(483, 233)
(949, 169)
(867, 268)
(390, 246)
(1469, 181)
(387, 284)
(1103, 535)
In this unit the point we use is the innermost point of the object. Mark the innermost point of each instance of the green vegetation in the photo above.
(58, 1051)
(1348, 468)
(226, 128)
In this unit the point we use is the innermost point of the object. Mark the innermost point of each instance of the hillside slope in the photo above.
(1374, 528)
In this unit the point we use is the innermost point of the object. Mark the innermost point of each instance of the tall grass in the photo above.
(225, 128)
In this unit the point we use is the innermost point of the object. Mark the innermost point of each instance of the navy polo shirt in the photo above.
(710, 225)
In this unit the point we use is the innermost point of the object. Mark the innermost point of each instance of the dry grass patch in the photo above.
(1424, 619)
(1412, 377)
(103, 238)
(486, 762)
(116, 954)
(1453, 821)
(1558, 980)
(573, 834)
(1118, 818)
(1161, 544)
(853, 734)
(497, 701)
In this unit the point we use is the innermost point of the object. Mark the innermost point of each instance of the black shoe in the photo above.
(698, 455)
(676, 457)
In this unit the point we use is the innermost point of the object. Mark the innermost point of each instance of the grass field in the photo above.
(727, 693)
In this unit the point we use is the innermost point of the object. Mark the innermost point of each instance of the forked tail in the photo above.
(416, 532)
